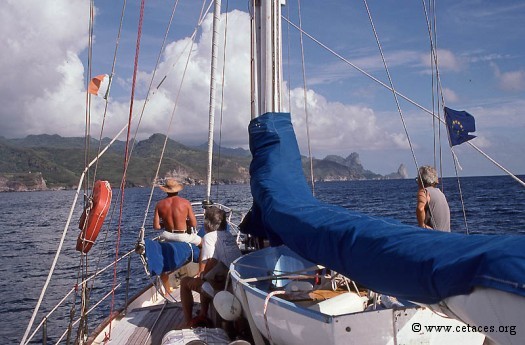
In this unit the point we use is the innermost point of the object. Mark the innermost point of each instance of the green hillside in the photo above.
(61, 162)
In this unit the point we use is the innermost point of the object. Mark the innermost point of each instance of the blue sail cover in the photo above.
(169, 256)
(382, 254)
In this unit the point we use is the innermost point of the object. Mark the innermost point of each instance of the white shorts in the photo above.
(181, 237)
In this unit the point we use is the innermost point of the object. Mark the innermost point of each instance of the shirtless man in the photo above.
(175, 215)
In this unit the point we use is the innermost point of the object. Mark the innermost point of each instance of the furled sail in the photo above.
(382, 254)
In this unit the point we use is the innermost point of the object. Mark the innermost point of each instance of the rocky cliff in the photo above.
(400, 174)
(22, 182)
(337, 168)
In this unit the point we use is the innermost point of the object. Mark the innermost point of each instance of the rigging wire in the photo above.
(87, 133)
(106, 104)
(126, 161)
(438, 90)
(148, 93)
(61, 243)
(83, 267)
(432, 32)
(436, 131)
(288, 61)
(223, 82)
(113, 67)
(203, 12)
(406, 98)
(253, 73)
(391, 83)
(161, 50)
(140, 241)
(87, 120)
(305, 95)
(86, 171)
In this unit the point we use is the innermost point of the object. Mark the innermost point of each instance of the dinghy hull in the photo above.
(286, 322)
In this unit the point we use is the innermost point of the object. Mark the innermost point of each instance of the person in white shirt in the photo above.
(218, 248)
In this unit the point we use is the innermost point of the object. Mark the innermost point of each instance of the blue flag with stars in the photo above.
(459, 124)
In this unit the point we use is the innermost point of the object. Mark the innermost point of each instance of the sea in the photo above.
(32, 225)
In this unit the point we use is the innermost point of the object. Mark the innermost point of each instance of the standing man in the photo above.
(175, 215)
(432, 209)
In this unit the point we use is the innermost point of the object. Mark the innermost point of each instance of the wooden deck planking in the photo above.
(148, 325)
(141, 335)
(151, 328)
(120, 335)
(171, 320)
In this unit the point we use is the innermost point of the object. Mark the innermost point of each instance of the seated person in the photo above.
(218, 246)
(175, 215)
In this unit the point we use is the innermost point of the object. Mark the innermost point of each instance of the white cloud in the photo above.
(512, 81)
(482, 142)
(340, 70)
(189, 105)
(46, 105)
(42, 76)
(43, 86)
(447, 60)
(450, 95)
(505, 115)
(338, 128)
(60, 108)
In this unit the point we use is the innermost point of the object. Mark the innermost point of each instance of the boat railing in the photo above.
(110, 293)
(63, 237)
(73, 289)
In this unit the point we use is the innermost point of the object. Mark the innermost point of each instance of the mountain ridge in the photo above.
(60, 161)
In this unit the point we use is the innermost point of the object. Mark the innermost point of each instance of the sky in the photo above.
(481, 60)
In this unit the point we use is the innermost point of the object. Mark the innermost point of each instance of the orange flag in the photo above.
(98, 86)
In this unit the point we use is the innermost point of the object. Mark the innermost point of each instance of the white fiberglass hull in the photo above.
(498, 314)
(290, 323)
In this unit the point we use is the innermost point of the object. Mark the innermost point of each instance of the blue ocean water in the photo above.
(32, 223)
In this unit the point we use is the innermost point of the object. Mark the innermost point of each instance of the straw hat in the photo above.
(172, 186)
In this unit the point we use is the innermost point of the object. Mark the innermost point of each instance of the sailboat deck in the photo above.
(148, 325)
(145, 326)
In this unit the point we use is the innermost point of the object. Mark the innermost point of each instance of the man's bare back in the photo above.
(174, 213)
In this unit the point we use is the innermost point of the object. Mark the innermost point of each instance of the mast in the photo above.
(267, 52)
(216, 21)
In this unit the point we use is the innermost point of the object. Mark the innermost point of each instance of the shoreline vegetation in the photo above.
(51, 162)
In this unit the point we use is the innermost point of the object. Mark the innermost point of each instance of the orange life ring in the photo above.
(93, 216)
